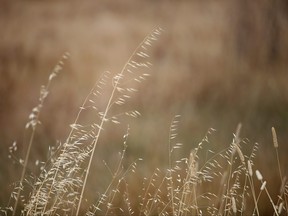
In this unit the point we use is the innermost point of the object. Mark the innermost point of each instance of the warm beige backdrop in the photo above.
(217, 63)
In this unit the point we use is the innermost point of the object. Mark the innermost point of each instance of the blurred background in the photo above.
(217, 63)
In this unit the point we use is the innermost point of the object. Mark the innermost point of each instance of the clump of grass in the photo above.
(61, 185)
(203, 182)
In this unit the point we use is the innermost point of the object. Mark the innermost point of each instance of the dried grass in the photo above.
(222, 183)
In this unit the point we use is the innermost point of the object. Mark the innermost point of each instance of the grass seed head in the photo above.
(250, 171)
(259, 175)
(234, 207)
(274, 135)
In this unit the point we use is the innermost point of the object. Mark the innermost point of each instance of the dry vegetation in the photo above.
(214, 183)
(209, 66)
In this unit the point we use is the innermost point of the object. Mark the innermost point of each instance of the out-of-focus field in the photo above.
(217, 63)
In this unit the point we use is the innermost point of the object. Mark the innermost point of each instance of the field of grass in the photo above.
(205, 73)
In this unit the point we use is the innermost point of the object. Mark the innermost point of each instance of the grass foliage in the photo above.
(203, 182)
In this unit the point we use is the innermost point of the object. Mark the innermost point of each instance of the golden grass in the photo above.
(202, 183)
(218, 94)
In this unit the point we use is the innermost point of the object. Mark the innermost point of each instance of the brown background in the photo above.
(217, 63)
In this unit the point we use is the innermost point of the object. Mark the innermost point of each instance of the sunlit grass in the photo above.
(200, 182)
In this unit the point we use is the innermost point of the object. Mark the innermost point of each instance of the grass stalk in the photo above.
(34, 121)
(147, 41)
